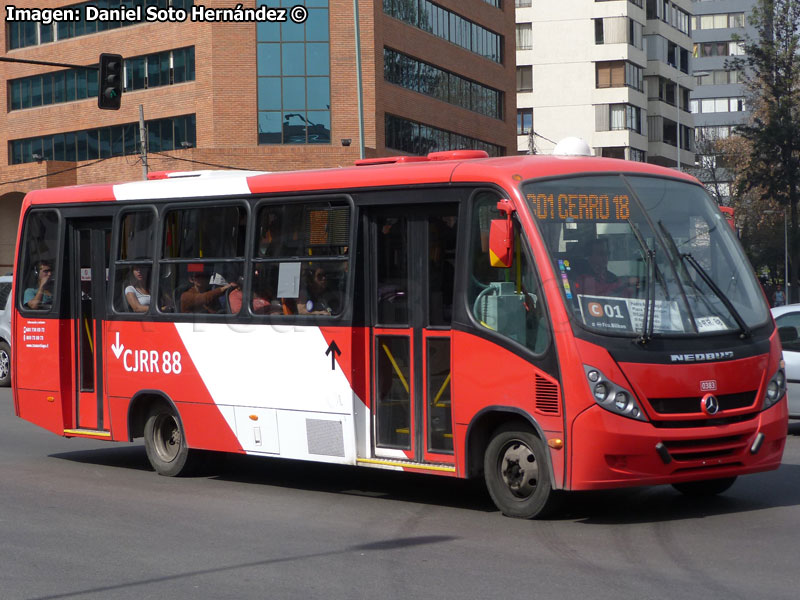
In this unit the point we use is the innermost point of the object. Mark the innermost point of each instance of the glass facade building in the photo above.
(294, 78)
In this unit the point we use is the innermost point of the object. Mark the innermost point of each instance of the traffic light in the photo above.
(109, 88)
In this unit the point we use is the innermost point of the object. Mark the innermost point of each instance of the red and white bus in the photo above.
(549, 323)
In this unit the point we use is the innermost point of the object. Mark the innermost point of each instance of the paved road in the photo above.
(86, 520)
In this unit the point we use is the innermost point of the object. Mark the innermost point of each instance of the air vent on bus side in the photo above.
(547, 400)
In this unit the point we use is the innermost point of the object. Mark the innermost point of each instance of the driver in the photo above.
(598, 280)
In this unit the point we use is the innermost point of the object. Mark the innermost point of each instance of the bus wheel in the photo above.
(709, 487)
(5, 365)
(517, 475)
(164, 442)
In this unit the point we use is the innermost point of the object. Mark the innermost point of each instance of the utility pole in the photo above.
(142, 142)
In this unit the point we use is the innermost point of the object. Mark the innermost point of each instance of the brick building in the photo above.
(252, 95)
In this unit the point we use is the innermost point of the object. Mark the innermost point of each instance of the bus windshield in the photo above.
(644, 256)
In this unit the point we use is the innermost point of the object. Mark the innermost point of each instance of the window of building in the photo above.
(613, 152)
(618, 30)
(623, 117)
(294, 89)
(525, 78)
(447, 25)
(719, 21)
(619, 73)
(419, 76)
(727, 48)
(524, 121)
(522, 3)
(417, 138)
(637, 155)
(22, 34)
(524, 36)
(105, 142)
(716, 105)
(164, 68)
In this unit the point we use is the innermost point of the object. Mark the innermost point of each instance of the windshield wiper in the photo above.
(648, 320)
(745, 330)
(673, 247)
(687, 258)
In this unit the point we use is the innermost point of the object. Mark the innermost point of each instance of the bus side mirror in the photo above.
(501, 237)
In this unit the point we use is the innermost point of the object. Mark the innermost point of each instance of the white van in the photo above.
(5, 330)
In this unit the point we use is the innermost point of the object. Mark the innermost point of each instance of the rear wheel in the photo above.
(5, 365)
(517, 474)
(165, 442)
(709, 487)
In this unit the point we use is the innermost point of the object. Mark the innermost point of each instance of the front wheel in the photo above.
(517, 474)
(709, 487)
(5, 365)
(165, 442)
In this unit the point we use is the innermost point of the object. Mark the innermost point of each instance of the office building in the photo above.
(252, 95)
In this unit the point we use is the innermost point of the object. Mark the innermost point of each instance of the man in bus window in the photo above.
(40, 297)
(597, 280)
(201, 297)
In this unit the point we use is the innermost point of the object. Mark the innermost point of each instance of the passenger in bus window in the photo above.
(316, 298)
(40, 295)
(137, 292)
(597, 280)
(201, 297)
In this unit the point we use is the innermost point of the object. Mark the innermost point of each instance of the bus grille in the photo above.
(705, 448)
(547, 396)
(691, 405)
(325, 437)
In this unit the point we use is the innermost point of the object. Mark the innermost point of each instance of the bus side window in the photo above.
(300, 259)
(133, 266)
(39, 274)
(506, 300)
(202, 259)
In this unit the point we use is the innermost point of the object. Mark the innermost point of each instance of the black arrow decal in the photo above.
(334, 351)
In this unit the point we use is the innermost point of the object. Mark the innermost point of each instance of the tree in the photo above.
(770, 69)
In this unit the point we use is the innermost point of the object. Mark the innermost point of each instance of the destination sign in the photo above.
(580, 207)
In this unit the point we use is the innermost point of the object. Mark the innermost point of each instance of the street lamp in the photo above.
(695, 74)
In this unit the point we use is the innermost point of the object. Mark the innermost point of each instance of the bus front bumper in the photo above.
(610, 451)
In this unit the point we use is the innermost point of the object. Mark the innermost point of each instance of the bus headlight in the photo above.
(776, 388)
(600, 391)
(611, 396)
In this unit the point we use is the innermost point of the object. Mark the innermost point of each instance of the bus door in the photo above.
(413, 252)
(89, 246)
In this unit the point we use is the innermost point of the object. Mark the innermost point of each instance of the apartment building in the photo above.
(613, 72)
(718, 102)
(249, 94)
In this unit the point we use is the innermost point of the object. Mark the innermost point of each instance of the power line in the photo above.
(55, 172)
(199, 162)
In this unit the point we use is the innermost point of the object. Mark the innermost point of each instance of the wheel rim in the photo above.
(4, 364)
(519, 469)
(166, 437)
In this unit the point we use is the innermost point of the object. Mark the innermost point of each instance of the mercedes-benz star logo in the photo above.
(710, 404)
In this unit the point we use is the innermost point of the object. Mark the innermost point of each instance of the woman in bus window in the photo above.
(137, 292)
